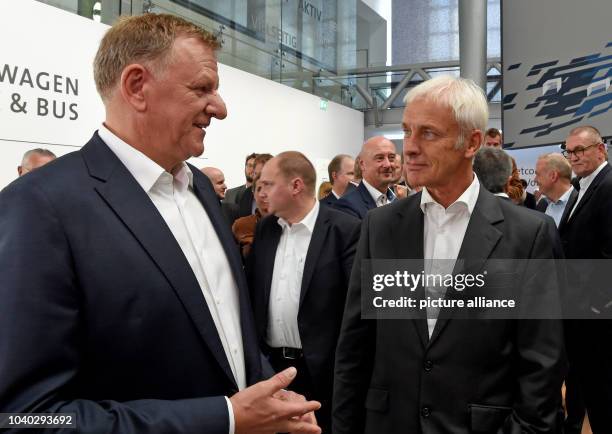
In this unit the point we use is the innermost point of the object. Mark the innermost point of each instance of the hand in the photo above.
(266, 408)
(401, 191)
(288, 395)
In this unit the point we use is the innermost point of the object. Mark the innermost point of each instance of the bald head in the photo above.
(33, 159)
(218, 180)
(377, 161)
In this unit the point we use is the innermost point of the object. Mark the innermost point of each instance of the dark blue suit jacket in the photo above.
(329, 200)
(357, 203)
(100, 312)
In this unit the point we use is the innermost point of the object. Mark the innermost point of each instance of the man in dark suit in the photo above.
(298, 273)
(341, 173)
(439, 374)
(587, 235)
(246, 204)
(377, 158)
(123, 297)
(233, 195)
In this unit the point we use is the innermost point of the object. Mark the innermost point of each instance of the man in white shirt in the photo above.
(136, 317)
(298, 272)
(494, 168)
(377, 161)
(428, 372)
(587, 241)
(553, 174)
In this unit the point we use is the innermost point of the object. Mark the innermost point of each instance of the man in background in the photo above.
(493, 138)
(341, 172)
(493, 168)
(587, 236)
(377, 161)
(218, 180)
(233, 195)
(553, 174)
(298, 272)
(33, 159)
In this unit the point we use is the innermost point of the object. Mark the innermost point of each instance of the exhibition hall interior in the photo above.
(337, 216)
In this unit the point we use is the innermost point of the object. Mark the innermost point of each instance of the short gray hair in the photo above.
(558, 163)
(493, 167)
(466, 100)
(36, 151)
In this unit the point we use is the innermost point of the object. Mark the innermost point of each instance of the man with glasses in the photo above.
(587, 234)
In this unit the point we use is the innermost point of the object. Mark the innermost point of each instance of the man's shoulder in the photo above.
(59, 175)
(339, 218)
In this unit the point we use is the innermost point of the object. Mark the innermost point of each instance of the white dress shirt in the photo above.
(379, 198)
(584, 185)
(555, 209)
(443, 234)
(188, 221)
(287, 281)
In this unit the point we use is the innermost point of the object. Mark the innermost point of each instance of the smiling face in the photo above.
(181, 101)
(431, 158)
(377, 160)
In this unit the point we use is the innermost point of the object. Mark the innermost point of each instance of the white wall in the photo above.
(264, 116)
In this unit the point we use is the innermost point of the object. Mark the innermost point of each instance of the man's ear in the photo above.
(297, 185)
(133, 80)
(472, 142)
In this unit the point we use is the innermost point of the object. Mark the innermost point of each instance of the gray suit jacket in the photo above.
(233, 195)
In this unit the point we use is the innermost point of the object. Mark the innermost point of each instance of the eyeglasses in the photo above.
(578, 152)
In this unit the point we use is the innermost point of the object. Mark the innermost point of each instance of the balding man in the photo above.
(298, 272)
(377, 162)
(33, 159)
(218, 180)
(123, 298)
(553, 174)
(587, 236)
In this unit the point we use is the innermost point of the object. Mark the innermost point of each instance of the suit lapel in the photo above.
(366, 197)
(590, 191)
(409, 235)
(271, 245)
(481, 237)
(135, 209)
(568, 208)
(319, 234)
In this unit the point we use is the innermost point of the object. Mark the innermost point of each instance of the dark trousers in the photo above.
(589, 345)
(304, 385)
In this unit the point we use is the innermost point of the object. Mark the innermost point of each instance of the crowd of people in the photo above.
(143, 296)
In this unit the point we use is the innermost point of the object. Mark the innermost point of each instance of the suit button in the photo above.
(425, 412)
(428, 365)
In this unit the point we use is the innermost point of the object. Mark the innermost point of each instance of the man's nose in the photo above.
(216, 108)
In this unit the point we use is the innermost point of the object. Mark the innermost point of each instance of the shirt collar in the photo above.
(143, 169)
(586, 181)
(337, 196)
(308, 221)
(468, 197)
(502, 195)
(375, 193)
(565, 196)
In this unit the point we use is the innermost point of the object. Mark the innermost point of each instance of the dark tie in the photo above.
(576, 183)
